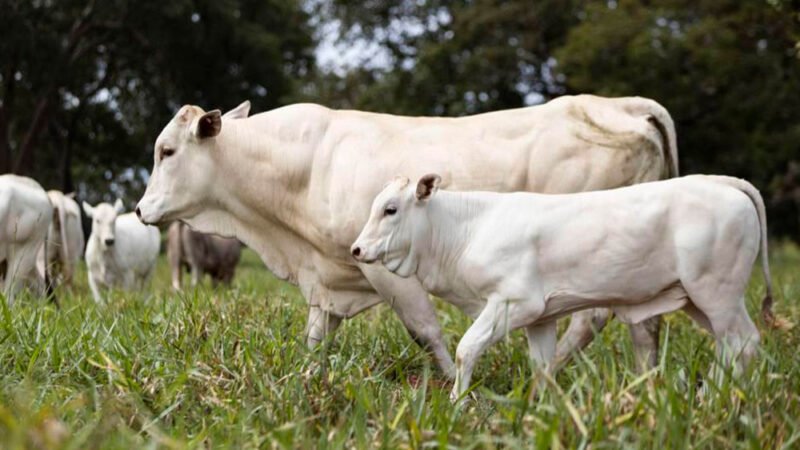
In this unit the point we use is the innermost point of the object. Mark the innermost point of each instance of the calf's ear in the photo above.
(87, 208)
(427, 186)
(208, 125)
(240, 112)
(118, 206)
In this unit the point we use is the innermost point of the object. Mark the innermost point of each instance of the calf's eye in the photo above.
(390, 211)
(167, 152)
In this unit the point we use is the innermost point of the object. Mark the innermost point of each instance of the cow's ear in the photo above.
(119, 207)
(400, 180)
(427, 186)
(87, 208)
(240, 112)
(208, 125)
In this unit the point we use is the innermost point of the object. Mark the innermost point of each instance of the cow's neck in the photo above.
(260, 191)
(451, 219)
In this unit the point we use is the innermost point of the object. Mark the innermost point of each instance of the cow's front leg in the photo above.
(581, 331)
(645, 336)
(410, 301)
(196, 273)
(320, 324)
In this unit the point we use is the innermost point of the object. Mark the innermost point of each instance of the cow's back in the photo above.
(25, 210)
(571, 144)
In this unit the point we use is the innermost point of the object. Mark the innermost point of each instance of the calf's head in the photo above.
(397, 220)
(104, 217)
(183, 166)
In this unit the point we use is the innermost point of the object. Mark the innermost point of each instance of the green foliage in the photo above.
(228, 369)
(109, 74)
(727, 70)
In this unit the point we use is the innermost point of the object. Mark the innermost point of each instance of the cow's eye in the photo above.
(167, 152)
(390, 211)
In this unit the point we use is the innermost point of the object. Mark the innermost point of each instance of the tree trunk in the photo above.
(25, 160)
(5, 145)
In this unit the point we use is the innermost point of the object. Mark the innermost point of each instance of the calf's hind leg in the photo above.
(736, 335)
(737, 338)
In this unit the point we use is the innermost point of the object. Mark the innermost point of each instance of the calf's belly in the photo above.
(632, 308)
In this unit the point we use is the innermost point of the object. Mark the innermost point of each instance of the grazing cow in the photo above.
(65, 240)
(201, 253)
(121, 251)
(688, 243)
(295, 184)
(25, 215)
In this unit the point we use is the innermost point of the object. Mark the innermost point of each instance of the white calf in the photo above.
(687, 243)
(121, 251)
(25, 215)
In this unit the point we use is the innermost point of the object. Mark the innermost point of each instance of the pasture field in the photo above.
(229, 369)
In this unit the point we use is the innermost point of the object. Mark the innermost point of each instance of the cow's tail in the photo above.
(62, 222)
(659, 118)
(748, 189)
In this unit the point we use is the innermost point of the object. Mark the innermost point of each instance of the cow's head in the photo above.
(397, 219)
(183, 166)
(104, 217)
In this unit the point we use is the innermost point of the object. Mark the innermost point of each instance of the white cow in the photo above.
(65, 241)
(295, 184)
(688, 243)
(121, 251)
(25, 215)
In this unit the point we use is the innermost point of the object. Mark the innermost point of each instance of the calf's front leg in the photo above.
(497, 319)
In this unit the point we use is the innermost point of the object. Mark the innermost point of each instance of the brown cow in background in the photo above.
(201, 253)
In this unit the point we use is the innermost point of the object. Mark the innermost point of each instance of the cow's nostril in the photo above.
(138, 213)
(357, 252)
(109, 242)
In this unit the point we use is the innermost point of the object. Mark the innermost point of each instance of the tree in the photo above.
(453, 58)
(86, 86)
(728, 71)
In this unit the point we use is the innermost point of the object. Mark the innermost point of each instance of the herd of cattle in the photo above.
(517, 217)
(42, 242)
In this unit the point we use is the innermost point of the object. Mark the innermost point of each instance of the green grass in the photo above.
(211, 369)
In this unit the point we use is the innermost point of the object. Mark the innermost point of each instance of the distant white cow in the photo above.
(121, 251)
(65, 240)
(25, 215)
(687, 243)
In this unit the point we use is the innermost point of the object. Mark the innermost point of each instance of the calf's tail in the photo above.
(748, 189)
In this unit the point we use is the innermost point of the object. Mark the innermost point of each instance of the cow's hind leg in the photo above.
(645, 336)
(542, 348)
(582, 328)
